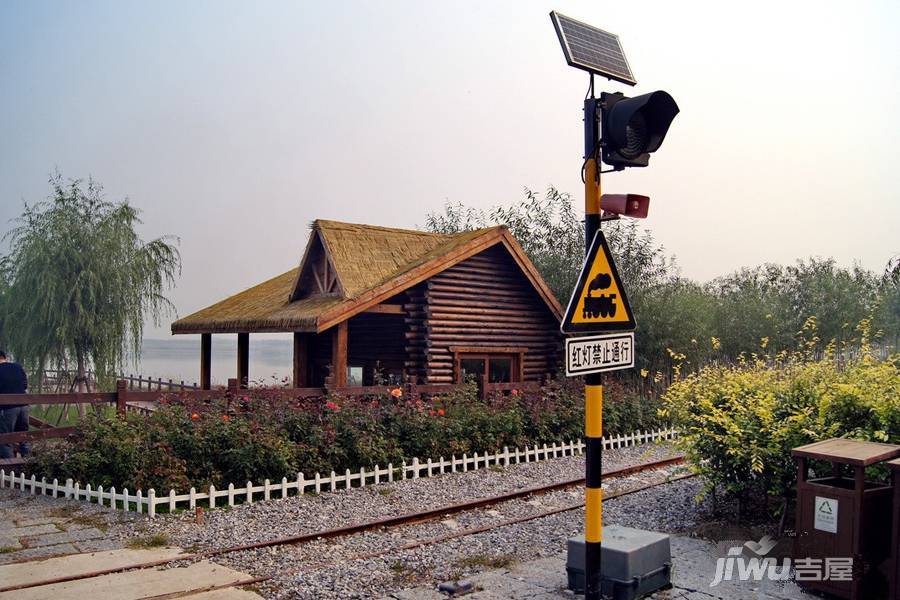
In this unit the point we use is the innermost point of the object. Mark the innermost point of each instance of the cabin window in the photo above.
(354, 376)
(493, 368)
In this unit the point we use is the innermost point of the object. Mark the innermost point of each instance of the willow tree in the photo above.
(80, 283)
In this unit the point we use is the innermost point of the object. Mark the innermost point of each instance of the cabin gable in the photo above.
(317, 275)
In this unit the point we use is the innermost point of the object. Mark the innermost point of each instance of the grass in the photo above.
(66, 511)
(95, 521)
(385, 491)
(495, 468)
(7, 549)
(157, 540)
(66, 415)
(485, 560)
(403, 572)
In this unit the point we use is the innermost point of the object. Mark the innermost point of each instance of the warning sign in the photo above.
(599, 302)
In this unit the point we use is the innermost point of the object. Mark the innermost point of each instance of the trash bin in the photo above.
(842, 532)
(895, 543)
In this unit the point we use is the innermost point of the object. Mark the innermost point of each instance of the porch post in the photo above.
(301, 359)
(243, 359)
(205, 361)
(339, 355)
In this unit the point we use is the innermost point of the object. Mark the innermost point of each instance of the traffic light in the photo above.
(633, 128)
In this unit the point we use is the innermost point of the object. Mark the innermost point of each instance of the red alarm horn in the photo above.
(627, 205)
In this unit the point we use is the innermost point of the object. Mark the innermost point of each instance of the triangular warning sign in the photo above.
(599, 302)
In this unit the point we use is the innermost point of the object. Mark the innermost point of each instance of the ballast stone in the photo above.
(634, 562)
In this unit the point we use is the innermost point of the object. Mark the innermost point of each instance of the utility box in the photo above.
(633, 563)
(843, 531)
(894, 563)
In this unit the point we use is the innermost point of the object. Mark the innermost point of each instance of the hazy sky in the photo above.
(233, 125)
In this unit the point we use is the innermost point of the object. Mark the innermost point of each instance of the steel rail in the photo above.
(382, 523)
(414, 544)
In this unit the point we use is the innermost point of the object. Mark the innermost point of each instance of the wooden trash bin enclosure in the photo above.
(894, 563)
(843, 516)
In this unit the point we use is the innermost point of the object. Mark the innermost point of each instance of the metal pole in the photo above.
(593, 388)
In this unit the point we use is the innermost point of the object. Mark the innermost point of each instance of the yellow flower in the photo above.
(716, 344)
(644, 372)
(764, 342)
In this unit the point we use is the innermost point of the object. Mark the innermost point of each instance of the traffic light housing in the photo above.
(633, 128)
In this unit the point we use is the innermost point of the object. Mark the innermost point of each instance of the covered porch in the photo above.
(367, 349)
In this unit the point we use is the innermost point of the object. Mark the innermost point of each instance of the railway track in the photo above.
(379, 524)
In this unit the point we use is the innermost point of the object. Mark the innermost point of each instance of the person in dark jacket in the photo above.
(14, 417)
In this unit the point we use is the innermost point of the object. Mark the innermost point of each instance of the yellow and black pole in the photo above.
(593, 389)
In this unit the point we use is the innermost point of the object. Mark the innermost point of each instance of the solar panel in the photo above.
(592, 49)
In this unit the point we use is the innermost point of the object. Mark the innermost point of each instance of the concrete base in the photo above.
(634, 562)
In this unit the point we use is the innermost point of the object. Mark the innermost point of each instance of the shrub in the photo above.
(739, 423)
(266, 434)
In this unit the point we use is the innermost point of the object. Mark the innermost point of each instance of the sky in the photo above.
(233, 125)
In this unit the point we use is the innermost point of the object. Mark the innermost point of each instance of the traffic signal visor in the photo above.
(632, 128)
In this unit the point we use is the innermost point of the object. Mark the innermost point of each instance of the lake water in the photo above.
(178, 358)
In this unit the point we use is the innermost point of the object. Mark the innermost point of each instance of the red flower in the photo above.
(441, 412)
(331, 406)
(226, 418)
(194, 416)
(514, 392)
(396, 392)
(431, 413)
(245, 398)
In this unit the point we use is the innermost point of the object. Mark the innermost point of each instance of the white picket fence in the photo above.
(140, 502)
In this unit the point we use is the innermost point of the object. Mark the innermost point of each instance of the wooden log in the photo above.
(243, 359)
(480, 290)
(339, 355)
(205, 361)
(301, 359)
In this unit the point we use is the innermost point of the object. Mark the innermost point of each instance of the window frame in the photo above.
(516, 355)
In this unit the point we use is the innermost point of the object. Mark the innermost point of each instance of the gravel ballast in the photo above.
(331, 568)
(370, 564)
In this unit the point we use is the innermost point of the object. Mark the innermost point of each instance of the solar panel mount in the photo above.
(594, 50)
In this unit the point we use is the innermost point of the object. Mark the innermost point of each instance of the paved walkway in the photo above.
(545, 579)
(44, 538)
(37, 527)
(130, 585)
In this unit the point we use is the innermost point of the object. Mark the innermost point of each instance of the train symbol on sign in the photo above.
(603, 305)
(599, 301)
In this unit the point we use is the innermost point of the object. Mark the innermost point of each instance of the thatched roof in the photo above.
(370, 264)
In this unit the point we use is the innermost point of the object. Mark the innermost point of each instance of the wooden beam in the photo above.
(386, 309)
(205, 361)
(243, 359)
(339, 355)
(301, 359)
(319, 283)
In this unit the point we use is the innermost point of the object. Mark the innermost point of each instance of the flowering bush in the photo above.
(268, 434)
(739, 423)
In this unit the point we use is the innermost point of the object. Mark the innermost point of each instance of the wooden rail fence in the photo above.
(127, 399)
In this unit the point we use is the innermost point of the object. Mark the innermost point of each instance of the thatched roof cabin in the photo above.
(372, 302)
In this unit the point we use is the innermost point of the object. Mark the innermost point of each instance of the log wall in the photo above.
(486, 302)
